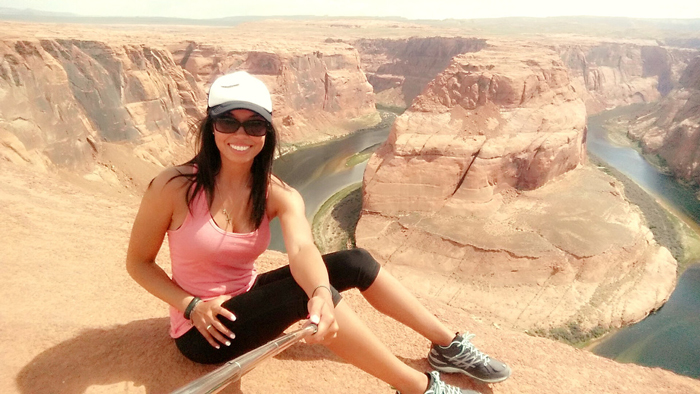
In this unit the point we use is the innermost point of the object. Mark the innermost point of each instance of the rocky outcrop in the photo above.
(66, 102)
(399, 69)
(608, 74)
(671, 128)
(480, 198)
(62, 99)
(605, 73)
(317, 92)
(121, 344)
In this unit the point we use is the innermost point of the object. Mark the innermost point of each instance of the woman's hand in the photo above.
(321, 312)
(204, 318)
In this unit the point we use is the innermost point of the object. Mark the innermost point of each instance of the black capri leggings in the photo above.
(274, 303)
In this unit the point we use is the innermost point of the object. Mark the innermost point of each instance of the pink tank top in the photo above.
(208, 262)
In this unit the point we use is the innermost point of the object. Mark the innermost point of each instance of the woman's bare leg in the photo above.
(356, 344)
(391, 298)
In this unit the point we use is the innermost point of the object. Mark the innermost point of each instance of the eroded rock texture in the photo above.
(399, 69)
(671, 128)
(61, 99)
(66, 101)
(317, 92)
(481, 199)
(604, 72)
(608, 74)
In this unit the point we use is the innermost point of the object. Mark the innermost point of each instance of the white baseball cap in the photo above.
(239, 90)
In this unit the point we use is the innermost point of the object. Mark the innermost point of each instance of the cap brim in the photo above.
(231, 105)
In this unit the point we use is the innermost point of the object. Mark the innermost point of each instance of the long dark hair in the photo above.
(207, 161)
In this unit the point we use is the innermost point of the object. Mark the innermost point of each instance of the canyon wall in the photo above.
(62, 100)
(608, 74)
(671, 128)
(318, 92)
(399, 69)
(605, 73)
(85, 105)
(480, 198)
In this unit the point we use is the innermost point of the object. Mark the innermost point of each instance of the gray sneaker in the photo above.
(462, 356)
(437, 386)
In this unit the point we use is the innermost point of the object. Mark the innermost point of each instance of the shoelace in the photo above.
(475, 356)
(443, 388)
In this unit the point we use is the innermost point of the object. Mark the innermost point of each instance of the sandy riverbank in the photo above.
(334, 223)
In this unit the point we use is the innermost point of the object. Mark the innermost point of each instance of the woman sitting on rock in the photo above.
(216, 211)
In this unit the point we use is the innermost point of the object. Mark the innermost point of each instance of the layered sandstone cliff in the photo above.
(671, 128)
(480, 198)
(613, 73)
(86, 104)
(318, 92)
(605, 73)
(63, 99)
(495, 248)
(399, 69)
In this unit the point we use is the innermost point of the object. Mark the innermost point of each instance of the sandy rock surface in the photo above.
(74, 322)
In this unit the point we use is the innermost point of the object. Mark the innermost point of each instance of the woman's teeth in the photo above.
(239, 148)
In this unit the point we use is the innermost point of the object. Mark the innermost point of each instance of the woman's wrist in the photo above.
(319, 287)
(190, 307)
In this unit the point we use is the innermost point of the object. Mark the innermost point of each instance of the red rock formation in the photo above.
(526, 254)
(317, 92)
(613, 73)
(63, 98)
(490, 120)
(65, 101)
(400, 69)
(473, 200)
(671, 128)
(606, 73)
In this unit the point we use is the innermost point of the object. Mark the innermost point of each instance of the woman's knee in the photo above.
(362, 260)
(354, 265)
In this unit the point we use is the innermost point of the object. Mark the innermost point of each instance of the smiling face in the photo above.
(239, 147)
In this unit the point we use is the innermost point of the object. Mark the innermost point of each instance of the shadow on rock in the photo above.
(140, 352)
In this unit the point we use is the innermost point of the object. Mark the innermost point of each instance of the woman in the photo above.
(216, 210)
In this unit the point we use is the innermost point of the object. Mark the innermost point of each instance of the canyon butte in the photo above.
(481, 201)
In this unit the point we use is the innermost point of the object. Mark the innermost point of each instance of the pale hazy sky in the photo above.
(412, 9)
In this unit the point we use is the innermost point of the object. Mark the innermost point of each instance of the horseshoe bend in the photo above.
(482, 201)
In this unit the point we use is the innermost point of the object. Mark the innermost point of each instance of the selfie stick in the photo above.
(218, 379)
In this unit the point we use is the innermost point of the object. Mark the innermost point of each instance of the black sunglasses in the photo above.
(252, 127)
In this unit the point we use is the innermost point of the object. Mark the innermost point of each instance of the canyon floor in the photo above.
(74, 322)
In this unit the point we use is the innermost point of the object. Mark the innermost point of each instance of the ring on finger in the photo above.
(208, 327)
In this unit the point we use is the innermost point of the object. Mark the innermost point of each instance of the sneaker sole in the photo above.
(457, 370)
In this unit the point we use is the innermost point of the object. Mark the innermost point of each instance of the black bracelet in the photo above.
(191, 306)
(318, 287)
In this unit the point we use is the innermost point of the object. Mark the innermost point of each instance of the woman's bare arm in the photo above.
(147, 234)
(305, 260)
(152, 222)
